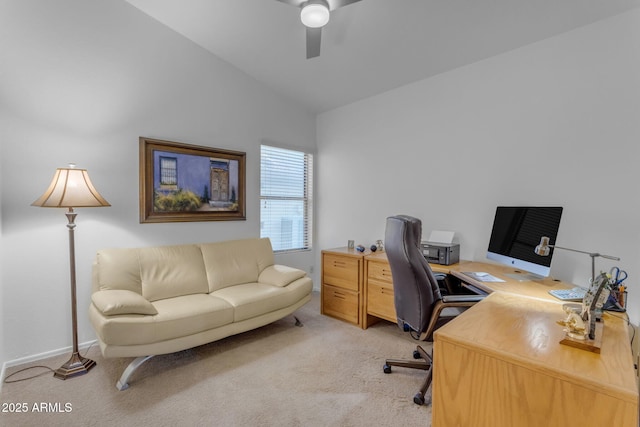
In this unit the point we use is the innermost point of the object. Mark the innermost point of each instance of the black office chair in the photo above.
(420, 306)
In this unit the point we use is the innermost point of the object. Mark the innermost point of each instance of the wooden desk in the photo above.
(535, 289)
(377, 288)
(500, 364)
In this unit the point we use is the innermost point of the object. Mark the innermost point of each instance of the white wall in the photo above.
(553, 123)
(80, 81)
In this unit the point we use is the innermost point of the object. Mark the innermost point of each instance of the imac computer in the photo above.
(515, 234)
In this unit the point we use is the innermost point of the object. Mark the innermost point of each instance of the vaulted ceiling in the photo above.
(370, 46)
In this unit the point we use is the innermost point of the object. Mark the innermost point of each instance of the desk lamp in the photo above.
(543, 250)
(71, 188)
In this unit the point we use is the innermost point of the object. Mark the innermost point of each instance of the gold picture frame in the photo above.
(183, 182)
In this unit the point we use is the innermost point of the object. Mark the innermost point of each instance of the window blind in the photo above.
(286, 178)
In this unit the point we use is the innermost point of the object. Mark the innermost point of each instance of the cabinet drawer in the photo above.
(379, 271)
(343, 272)
(340, 303)
(380, 300)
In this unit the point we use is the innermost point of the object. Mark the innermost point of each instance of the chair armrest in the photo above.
(116, 301)
(448, 299)
(280, 275)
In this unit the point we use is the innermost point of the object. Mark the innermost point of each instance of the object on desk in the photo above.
(573, 323)
(617, 299)
(515, 229)
(441, 253)
(351, 244)
(379, 245)
(593, 300)
(481, 276)
(622, 297)
(373, 248)
(598, 293)
(574, 294)
(441, 248)
(543, 250)
(597, 283)
(617, 277)
(360, 248)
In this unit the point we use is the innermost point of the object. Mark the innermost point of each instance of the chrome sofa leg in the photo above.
(122, 383)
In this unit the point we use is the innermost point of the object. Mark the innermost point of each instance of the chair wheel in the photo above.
(387, 369)
(416, 354)
(418, 399)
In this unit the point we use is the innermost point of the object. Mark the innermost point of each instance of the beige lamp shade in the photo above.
(71, 188)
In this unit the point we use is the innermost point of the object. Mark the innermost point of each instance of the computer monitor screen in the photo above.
(515, 234)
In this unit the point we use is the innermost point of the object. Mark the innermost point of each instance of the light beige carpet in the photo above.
(326, 373)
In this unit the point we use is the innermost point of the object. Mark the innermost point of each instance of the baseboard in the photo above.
(41, 356)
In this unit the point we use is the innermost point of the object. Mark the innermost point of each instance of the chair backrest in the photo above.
(415, 287)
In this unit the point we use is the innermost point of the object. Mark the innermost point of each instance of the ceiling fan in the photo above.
(314, 14)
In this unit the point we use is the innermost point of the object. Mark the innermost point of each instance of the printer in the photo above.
(441, 248)
(441, 253)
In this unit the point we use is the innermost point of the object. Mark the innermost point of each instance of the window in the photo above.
(286, 206)
(168, 170)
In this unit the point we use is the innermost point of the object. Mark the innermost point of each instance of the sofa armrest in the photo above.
(115, 301)
(280, 275)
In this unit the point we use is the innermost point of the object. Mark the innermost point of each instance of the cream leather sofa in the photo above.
(158, 300)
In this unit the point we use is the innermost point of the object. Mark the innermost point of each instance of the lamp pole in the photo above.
(593, 256)
(76, 365)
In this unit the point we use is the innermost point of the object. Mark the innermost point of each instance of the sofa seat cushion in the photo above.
(254, 299)
(177, 317)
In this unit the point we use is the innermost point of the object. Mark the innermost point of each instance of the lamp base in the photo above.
(75, 366)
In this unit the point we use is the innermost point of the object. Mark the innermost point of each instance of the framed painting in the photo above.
(183, 182)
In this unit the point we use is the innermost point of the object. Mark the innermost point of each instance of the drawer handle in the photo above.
(338, 295)
(339, 263)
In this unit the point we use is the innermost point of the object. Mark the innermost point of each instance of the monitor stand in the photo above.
(523, 276)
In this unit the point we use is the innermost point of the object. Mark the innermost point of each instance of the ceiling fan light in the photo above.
(314, 15)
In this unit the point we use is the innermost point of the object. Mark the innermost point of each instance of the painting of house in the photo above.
(188, 182)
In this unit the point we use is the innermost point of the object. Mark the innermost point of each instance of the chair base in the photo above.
(423, 362)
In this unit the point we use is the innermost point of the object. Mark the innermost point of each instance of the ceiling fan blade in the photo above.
(295, 3)
(313, 42)
(341, 3)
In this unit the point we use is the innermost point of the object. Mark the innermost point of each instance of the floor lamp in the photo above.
(72, 188)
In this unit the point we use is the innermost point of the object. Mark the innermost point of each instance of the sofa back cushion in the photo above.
(171, 271)
(235, 262)
(118, 269)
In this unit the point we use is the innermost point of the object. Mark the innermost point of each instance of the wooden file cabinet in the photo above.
(342, 284)
(379, 290)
